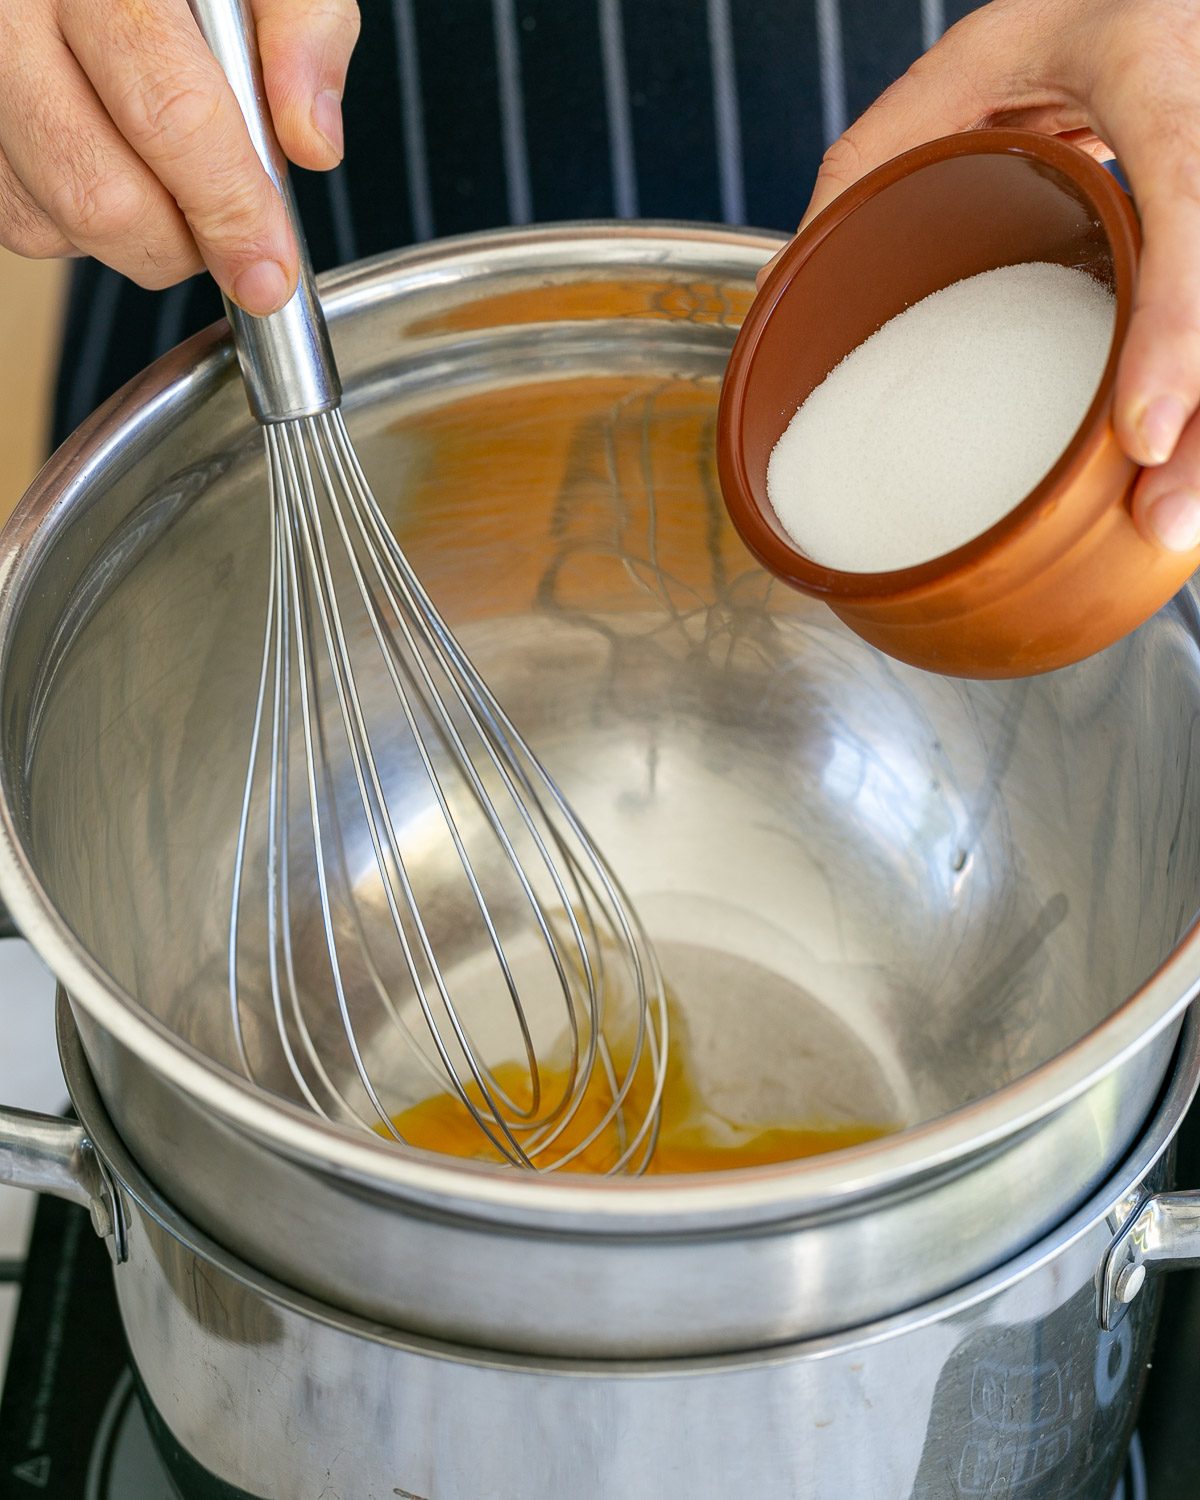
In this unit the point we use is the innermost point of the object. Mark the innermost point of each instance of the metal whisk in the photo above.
(414, 902)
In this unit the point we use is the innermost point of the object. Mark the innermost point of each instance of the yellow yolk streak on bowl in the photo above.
(692, 1137)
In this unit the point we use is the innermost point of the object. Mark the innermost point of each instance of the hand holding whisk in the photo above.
(412, 895)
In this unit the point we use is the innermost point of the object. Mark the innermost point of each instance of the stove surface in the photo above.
(71, 1424)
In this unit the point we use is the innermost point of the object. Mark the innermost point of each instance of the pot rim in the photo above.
(467, 1189)
(1112, 1198)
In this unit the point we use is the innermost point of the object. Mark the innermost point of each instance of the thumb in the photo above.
(942, 93)
(954, 86)
(305, 46)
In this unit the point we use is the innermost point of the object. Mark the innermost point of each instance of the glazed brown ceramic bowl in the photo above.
(1064, 573)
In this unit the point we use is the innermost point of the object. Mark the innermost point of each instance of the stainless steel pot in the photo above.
(1009, 1387)
(965, 908)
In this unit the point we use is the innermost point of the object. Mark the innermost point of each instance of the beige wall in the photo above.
(30, 305)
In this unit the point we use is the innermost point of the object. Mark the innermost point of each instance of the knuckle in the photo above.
(24, 228)
(100, 207)
(171, 113)
(17, 211)
(236, 216)
(32, 243)
(33, 237)
(842, 162)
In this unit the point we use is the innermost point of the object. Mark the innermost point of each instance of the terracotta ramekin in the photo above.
(1065, 573)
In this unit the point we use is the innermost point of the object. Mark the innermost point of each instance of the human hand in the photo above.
(120, 138)
(1116, 78)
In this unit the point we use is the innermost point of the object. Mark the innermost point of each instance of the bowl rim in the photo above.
(1118, 217)
(1128, 1175)
(464, 1189)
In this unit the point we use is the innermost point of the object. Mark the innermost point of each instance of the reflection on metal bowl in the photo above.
(965, 908)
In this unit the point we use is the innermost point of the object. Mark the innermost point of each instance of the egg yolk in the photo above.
(692, 1137)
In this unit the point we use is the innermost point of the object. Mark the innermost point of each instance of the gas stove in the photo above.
(73, 1426)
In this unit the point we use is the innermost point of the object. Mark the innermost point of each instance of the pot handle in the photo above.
(46, 1154)
(1162, 1235)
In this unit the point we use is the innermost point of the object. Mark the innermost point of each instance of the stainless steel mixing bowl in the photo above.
(963, 908)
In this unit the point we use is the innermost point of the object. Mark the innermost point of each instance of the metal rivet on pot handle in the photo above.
(1163, 1234)
(48, 1155)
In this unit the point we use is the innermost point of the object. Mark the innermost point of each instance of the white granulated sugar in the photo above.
(943, 420)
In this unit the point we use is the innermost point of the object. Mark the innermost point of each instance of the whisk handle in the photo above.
(286, 358)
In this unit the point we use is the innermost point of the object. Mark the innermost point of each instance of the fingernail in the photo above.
(262, 288)
(1159, 427)
(1175, 520)
(327, 117)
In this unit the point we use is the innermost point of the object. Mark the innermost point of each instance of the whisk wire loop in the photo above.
(501, 732)
(444, 723)
(332, 551)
